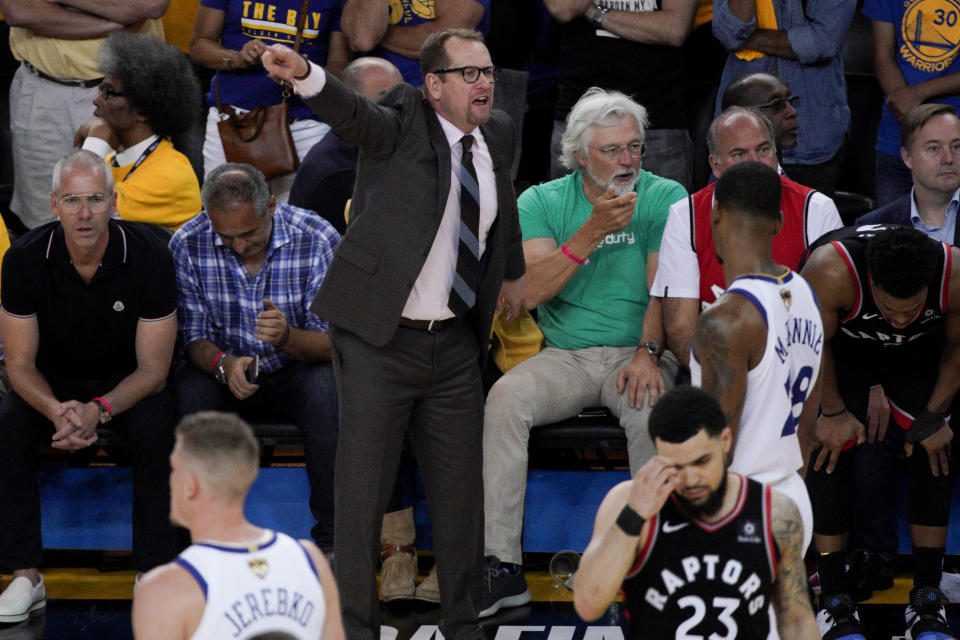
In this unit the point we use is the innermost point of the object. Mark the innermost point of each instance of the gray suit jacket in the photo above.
(403, 180)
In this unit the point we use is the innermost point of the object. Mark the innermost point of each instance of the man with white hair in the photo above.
(590, 241)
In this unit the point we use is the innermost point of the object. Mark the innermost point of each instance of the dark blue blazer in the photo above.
(898, 212)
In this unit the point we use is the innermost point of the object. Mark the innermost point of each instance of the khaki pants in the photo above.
(553, 385)
(44, 116)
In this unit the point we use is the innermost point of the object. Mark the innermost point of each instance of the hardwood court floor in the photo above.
(87, 604)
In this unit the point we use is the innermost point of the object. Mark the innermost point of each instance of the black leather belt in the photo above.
(433, 326)
(86, 84)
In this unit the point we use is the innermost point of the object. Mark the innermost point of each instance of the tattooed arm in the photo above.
(729, 341)
(790, 600)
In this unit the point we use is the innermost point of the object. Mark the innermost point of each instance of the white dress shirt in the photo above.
(428, 298)
(128, 156)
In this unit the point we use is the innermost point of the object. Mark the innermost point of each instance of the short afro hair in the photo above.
(157, 79)
(750, 188)
(748, 90)
(683, 412)
(902, 260)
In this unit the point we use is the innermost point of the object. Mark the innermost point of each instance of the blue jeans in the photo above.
(894, 179)
(302, 393)
(669, 154)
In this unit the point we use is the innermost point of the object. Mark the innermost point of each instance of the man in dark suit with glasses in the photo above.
(431, 253)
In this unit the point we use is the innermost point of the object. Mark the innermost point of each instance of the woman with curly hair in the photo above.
(148, 94)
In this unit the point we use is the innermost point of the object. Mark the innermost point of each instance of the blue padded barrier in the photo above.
(89, 508)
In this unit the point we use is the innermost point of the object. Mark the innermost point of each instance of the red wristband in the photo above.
(571, 255)
(216, 360)
(104, 404)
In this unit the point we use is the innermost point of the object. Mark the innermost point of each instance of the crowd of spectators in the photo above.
(615, 235)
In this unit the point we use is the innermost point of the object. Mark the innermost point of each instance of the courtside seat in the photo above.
(272, 436)
(277, 434)
(853, 205)
(592, 428)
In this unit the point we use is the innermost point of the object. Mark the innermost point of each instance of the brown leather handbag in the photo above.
(261, 137)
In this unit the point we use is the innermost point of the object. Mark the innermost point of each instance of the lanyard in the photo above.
(143, 156)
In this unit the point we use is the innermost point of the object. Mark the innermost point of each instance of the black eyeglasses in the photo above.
(107, 92)
(471, 73)
(778, 104)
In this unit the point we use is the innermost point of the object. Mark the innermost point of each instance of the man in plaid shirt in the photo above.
(247, 269)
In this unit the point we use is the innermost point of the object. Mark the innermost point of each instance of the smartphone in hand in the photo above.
(253, 369)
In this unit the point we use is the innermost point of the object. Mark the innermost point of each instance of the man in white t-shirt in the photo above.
(689, 276)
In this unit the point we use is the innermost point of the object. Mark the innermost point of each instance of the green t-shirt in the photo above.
(604, 303)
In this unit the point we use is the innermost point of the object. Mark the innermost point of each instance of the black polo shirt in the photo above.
(88, 331)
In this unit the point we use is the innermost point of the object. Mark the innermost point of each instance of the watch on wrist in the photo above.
(650, 347)
(219, 371)
(598, 14)
(104, 411)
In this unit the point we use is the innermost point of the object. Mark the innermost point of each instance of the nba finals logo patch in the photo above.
(786, 298)
(259, 567)
(749, 532)
(931, 34)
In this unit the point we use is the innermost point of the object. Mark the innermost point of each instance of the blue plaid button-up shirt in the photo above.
(219, 301)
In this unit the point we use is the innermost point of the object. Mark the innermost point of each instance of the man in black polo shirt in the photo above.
(88, 326)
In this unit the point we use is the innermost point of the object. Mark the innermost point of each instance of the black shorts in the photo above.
(907, 373)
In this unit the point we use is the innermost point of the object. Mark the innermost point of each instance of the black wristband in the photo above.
(925, 425)
(307, 74)
(834, 415)
(629, 521)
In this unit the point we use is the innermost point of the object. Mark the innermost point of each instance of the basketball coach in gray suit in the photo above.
(432, 252)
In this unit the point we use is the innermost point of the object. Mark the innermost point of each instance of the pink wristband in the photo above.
(571, 255)
(106, 405)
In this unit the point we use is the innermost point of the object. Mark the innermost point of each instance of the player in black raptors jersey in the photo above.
(890, 301)
(698, 551)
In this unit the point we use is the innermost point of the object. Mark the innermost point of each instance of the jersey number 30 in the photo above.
(797, 392)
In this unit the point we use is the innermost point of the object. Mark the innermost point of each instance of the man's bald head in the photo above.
(738, 135)
(371, 76)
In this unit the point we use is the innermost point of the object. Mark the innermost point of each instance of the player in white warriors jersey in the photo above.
(237, 580)
(758, 348)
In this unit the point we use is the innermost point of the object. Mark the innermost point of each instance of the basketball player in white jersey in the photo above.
(758, 348)
(236, 580)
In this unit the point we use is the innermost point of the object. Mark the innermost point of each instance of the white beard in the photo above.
(619, 187)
